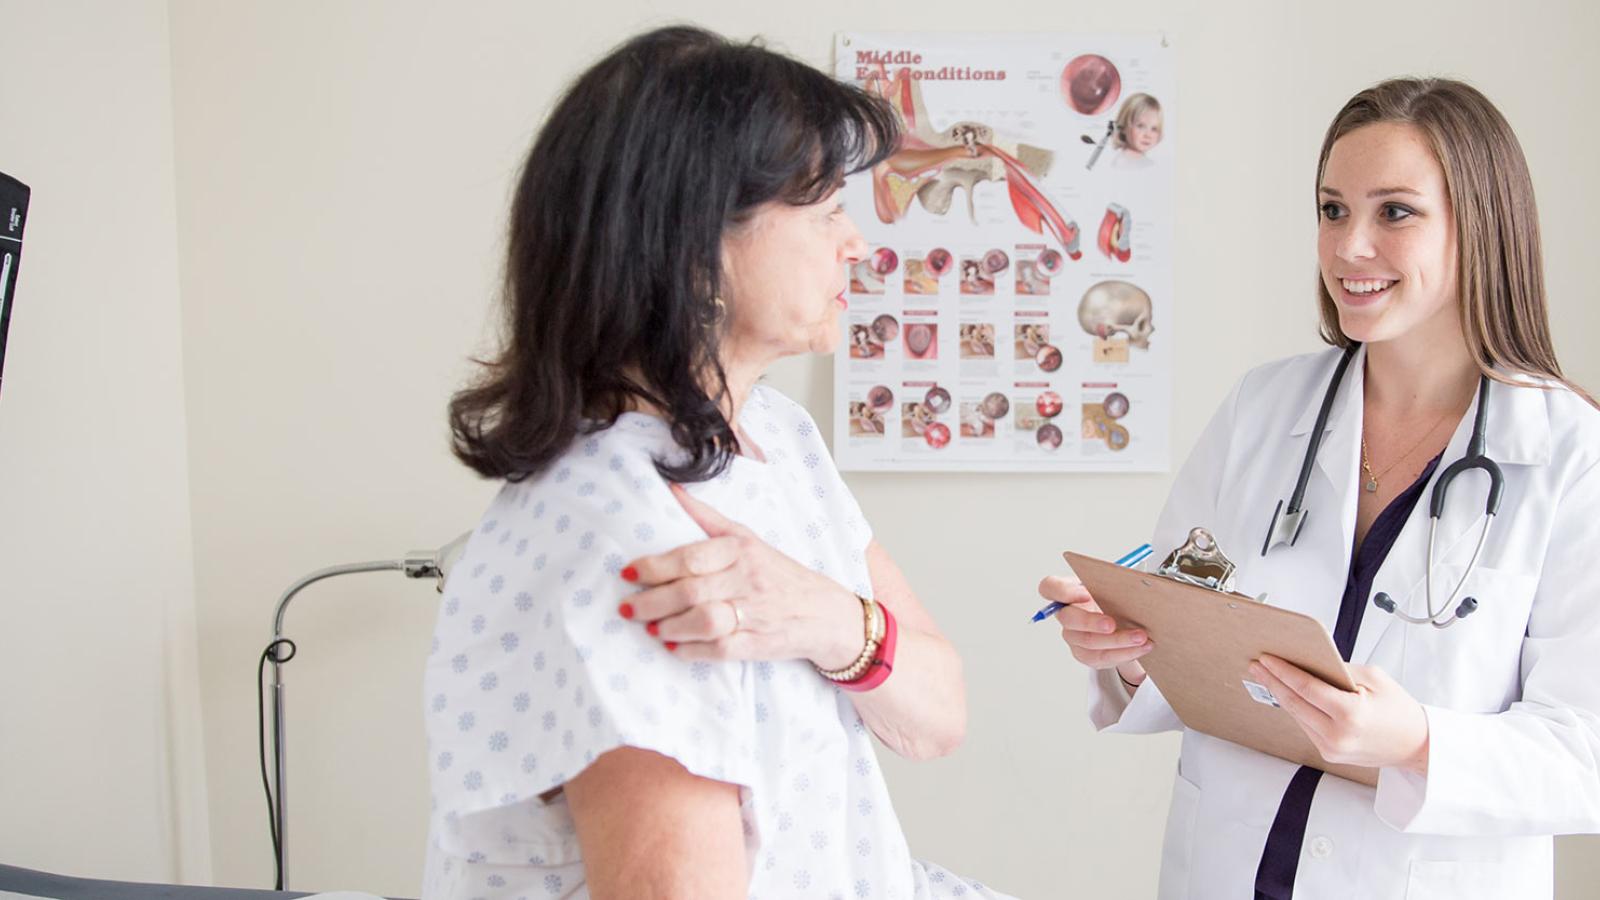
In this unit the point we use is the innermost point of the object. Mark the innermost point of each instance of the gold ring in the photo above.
(738, 617)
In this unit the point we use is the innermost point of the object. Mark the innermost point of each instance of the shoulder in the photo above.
(1285, 374)
(604, 490)
(606, 466)
(1285, 385)
(1574, 426)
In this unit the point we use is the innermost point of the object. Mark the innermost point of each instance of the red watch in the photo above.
(876, 662)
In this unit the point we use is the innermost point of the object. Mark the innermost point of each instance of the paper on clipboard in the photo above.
(1205, 640)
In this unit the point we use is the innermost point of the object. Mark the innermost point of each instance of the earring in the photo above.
(720, 313)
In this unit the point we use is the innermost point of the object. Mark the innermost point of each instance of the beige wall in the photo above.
(342, 173)
(101, 770)
(344, 170)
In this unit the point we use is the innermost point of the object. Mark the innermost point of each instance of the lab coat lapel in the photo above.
(1517, 432)
(1339, 460)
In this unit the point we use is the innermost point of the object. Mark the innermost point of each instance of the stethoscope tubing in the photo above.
(1474, 458)
(1315, 444)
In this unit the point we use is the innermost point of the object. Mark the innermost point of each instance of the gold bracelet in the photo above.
(873, 627)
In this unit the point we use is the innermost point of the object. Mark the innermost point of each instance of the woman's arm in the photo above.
(920, 712)
(652, 831)
(1116, 700)
(1533, 768)
(735, 597)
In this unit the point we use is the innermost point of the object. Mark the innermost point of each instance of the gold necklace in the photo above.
(1366, 462)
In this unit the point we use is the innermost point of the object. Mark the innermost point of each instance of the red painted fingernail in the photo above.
(625, 610)
(672, 645)
(654, 628)
(630, 574)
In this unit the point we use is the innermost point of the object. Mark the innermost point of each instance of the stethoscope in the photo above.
(1286, 523)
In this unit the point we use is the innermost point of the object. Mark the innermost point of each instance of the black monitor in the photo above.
(13, 219)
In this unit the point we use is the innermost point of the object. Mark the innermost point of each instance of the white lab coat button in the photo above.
(1321, 847)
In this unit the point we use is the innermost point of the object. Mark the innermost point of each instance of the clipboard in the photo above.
(1205, 639)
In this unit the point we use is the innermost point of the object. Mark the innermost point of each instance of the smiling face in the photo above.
(784, 273)
(1386, 239)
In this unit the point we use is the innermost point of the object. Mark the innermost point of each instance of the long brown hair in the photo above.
(1500, 266)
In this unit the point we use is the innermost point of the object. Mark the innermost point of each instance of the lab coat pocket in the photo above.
(1474, 665)
(1465, 879)
(1179, 841)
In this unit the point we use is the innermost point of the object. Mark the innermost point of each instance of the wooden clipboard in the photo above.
(1205, 641)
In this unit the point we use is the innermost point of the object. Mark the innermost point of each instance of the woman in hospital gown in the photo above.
(625, 695)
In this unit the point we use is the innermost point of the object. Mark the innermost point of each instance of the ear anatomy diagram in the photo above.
(978, 418)
(864, 420)
(977, 235)
(930, 165)
(1033, 275)
(1090, 84)
(1100, 421)
(1117, 308)
(1114, 238)
(922, 275)
(921, 419)
(867, 276)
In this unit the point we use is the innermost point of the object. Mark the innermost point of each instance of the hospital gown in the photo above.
(533, 674)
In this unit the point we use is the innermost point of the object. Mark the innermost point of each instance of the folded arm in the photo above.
(652, 831)
(1535, 767)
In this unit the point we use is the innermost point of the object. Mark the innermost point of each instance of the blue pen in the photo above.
(1131, 559)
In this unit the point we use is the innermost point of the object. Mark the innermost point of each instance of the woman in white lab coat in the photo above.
(1486, 733)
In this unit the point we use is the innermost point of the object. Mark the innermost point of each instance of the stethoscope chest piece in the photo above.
(1285, 527)
(1287, 522)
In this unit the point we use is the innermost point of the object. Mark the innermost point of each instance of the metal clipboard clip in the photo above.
(1200, 562)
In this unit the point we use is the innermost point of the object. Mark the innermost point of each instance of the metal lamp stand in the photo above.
(417, 564)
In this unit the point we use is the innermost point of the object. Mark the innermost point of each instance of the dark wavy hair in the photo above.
(614, 266)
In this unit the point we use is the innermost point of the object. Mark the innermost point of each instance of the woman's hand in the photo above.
(733, 596)
(1093, 636)
(1377, 725)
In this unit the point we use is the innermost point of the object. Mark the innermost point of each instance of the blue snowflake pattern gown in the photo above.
(534, 674)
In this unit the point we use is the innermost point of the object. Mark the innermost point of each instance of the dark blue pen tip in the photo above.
(1048, 611)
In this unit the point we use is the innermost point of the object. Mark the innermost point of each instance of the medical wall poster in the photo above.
(13, 218)
(1013, 311)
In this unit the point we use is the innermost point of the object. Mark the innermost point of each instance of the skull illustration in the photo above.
(1117, 307)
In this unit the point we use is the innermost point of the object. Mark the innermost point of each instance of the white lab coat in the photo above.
(1512, 694)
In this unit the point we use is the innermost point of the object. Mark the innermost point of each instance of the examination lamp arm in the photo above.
(417, 564)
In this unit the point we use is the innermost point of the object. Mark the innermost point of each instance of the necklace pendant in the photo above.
(1371, 485)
